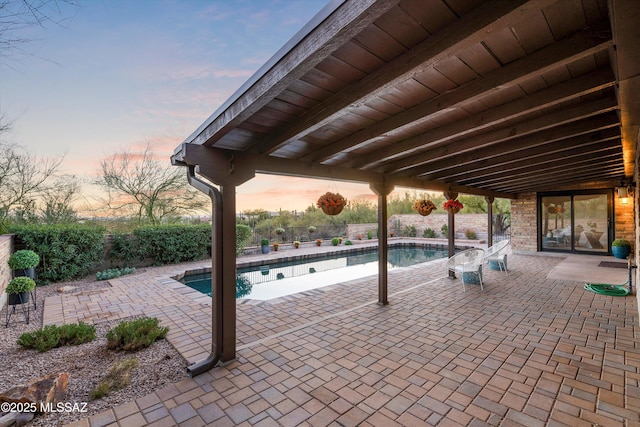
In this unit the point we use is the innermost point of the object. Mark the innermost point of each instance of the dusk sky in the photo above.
(120, 73)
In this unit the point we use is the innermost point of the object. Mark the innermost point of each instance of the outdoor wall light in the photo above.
(625, 191)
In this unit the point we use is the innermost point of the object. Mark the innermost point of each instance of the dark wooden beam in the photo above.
(611, 157)
(551, 57)
(537, 155)
(542, 130)
(469, 30)
(235, 167)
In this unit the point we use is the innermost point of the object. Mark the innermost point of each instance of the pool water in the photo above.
(271, 281)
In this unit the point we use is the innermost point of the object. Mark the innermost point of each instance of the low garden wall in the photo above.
(6, 248)
(400, 225)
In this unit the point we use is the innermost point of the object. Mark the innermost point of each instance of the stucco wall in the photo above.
(6, 248)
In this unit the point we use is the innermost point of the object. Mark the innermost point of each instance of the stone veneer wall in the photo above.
(524, 229)
(6, 248)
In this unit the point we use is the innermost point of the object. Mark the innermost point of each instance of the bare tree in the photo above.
(57, 202)
(147, 188)
(17, 15)
(23, 178)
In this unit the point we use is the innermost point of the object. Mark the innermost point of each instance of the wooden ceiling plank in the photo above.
(583, 144)
(548, 124)
(610, 156)
(559, 54)
(556, 180)
(589, 83)
(465, 32)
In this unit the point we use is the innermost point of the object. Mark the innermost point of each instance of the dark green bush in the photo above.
(114, 272)
(52, 336)
(163, 244)
(243, 234)
(135, 334)
(66, 252)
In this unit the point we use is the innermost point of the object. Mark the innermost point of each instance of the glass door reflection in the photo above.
(556, 222)
(592, 221)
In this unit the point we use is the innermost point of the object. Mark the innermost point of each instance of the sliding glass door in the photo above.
(575, 221)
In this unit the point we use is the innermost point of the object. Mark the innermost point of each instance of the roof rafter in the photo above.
(467, 31)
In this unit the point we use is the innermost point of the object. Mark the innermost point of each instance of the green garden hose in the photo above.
(604, 289)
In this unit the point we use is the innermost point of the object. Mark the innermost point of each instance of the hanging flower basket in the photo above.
(452, 206)
(331, 203)
(424, 207)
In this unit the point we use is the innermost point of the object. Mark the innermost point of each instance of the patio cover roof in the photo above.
(483, 97)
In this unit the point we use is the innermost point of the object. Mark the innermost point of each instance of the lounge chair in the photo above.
(466, 263)
(498, 254)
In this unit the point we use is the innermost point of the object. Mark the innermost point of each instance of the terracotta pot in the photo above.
(332, 210)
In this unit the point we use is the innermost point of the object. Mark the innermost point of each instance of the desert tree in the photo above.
(16, 16)
(147, 188)
(24, 178)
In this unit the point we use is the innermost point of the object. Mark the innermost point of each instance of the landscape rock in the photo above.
(49, 389)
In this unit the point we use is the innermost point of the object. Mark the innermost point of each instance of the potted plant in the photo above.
(621, 248)
(331, 203)
(424, 207)
(279, 231)
(318, 242)
(264, 243)
(296, 244)
(335, 241)
(24, 263)
(452, 206)
(18, 290)
(311, 229)
(276, 246)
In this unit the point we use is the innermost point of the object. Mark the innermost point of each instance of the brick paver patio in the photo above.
(529, 350)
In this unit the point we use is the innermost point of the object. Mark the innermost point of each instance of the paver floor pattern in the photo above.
(527, 350)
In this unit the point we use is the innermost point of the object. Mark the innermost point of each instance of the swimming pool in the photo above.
(269, 281)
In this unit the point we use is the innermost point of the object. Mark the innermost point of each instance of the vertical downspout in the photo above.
(216, 274)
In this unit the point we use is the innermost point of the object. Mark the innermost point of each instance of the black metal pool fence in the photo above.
(324, 232)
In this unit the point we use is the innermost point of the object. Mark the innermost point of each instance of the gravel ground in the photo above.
(86, 364)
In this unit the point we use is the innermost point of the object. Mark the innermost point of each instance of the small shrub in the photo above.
(20, 284)
(410, 231)
(113, 273)
(264, 242)
(369, 234)
(52, 336)
(621, 242)
(118, 378)
(428, 232)
(470, 234)
(445, 230)
(348, 243)
(335, 241)
(23, 259)
(136, 334)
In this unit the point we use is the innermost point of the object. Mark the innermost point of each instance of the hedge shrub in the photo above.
(67, 252)
(162, 244)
